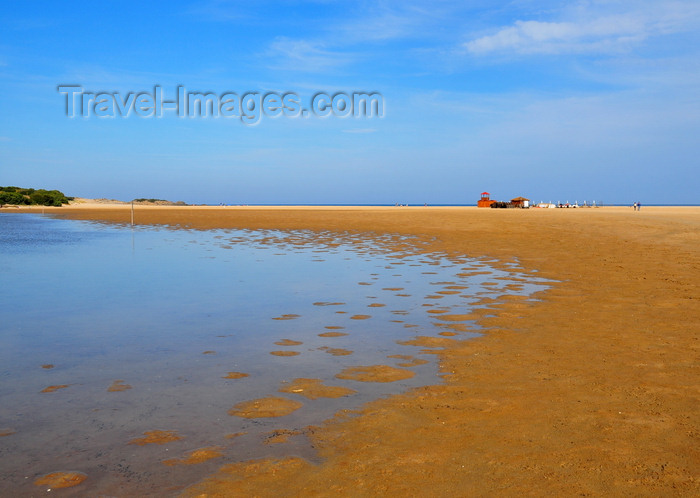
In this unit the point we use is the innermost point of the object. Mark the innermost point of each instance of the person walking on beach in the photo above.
(634, 206)
(639, 206)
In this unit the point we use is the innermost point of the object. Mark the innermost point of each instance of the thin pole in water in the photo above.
(132, 213)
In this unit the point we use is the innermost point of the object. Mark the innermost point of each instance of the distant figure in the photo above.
(639, 206)
(634, 206)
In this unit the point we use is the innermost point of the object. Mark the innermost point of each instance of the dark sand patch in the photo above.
(323, 303)
(447, 334)
(314, 389)
(285, 353)
(333, 327)
(376, 305)
(360, 317)
(272, 406)
(156, 437)
(375, 373)
(288, 316)
(235, 375)
(234, 435)
(57, 480)
(51, 389)
(280, 436)
(7, 432)
(209, 352)
(196, 456)
(47, 366)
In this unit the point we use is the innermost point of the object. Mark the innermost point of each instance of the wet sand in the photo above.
(592, 391)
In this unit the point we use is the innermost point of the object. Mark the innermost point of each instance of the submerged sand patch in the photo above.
(51, 389)
(375, 373)
(288, 342)
(58, 480)
(271, 406)
(156, 437)
(235, 375)
(332, 334)
(196, 456)
(336, 351)
(118, 385)
(314, 389)
(285, 353)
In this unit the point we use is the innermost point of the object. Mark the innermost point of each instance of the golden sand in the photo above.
(592, 390)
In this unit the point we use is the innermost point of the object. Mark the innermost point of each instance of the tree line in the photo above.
(30, 196)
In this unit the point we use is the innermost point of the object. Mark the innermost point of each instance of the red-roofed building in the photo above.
(485, 200)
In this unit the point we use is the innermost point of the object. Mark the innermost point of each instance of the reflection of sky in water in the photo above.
(143, 305)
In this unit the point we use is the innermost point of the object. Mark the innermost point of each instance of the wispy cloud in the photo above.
(586, 32)
(305, 55)
(361, 130)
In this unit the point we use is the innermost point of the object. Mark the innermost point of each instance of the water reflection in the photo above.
(197, 333)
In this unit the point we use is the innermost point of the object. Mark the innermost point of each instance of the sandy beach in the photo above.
(594, 390)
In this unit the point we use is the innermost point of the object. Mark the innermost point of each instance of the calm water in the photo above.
(171, 312)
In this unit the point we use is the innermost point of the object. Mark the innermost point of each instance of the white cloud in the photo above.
(588, 31)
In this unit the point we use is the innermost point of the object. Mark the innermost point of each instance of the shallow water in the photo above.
(169, 313)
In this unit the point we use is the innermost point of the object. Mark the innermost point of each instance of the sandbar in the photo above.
(591, 390)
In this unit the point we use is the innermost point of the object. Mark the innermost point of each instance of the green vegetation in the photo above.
(30, 196)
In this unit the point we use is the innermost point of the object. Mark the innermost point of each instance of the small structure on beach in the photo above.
(520, 202)
(485, 200)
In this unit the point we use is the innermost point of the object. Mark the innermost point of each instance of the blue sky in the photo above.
(587, 100)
